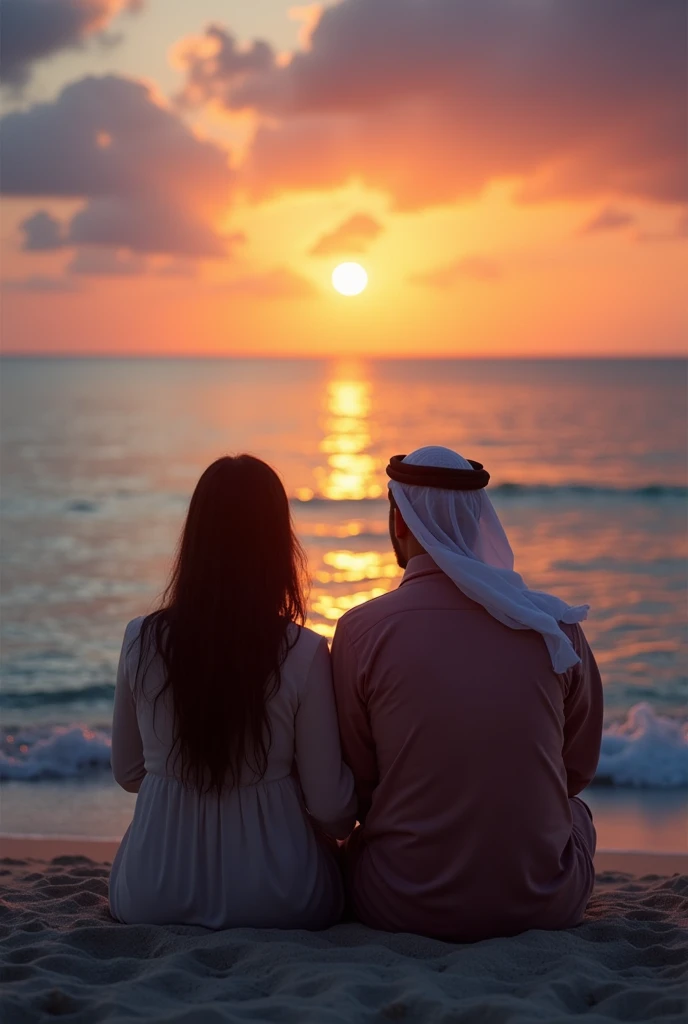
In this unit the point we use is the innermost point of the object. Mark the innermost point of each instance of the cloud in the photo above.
(106, 263)
(214, 63)
(354, 235)
(432, 101)
(279, 283)
(42, 232)
(147, 226)
(149, 183)
(609, 219)
(36, 283)
(476, 268)
(33, 30)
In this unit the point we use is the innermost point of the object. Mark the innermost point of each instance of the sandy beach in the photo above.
(62, 955)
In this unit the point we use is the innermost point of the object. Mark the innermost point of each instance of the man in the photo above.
(470, 711)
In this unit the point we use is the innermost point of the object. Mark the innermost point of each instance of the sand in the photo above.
(61, 955)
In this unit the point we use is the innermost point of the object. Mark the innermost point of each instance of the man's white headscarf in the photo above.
(461, 532)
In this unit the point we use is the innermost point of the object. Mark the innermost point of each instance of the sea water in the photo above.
(99, 457)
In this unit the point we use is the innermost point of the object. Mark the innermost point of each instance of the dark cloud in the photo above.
(151, 185)
(279, 283)
(215, 64)
(42, 232)
(146, 226)
(432, 101)
(35, 29)
(609, 219)
(354, 235)
(476, 268)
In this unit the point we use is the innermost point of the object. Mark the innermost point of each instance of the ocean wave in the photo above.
(645, 750)
(583, 490)
(516, 490)
(32, 698)
(54, 752)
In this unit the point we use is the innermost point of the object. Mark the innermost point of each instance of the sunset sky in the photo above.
(182, 177)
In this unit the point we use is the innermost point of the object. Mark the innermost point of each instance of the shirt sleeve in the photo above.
(326, 781)
(358, 746)
(583, 711)
(127, 747)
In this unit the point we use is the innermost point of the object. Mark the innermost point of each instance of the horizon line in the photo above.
(352, 357)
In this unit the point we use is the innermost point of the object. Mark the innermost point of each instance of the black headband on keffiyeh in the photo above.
(437, 476)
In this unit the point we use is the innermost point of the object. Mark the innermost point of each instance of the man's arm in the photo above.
(358, 747)
(583, 708)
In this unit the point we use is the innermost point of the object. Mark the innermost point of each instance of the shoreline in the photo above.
(46, 848)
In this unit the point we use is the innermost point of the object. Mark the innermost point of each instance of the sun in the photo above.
(349, 278)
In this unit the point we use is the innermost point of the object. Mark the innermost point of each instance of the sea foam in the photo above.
(644, 750)
(54, 752)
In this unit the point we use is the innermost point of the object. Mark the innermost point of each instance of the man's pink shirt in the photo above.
(466, 748)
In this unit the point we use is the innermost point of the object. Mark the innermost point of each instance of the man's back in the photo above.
(465, 747)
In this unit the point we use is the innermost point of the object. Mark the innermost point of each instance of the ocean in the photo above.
(588, 461)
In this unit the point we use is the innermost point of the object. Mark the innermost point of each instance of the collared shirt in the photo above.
(465, 748)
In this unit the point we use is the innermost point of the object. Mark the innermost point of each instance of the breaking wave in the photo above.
(644, 750)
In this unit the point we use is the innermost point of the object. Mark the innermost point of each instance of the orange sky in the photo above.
(511, 187)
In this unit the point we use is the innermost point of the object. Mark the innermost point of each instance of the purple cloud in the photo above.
(42, 232)
(34, 30)
(149, 183)
(433, 101)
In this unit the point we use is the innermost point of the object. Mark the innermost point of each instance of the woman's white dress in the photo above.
(251, 857)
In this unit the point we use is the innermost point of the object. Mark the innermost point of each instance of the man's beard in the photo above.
(402, 561)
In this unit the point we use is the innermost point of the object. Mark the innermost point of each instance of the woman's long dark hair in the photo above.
(237, 582)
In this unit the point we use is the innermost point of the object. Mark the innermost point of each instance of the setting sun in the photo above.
(349, 278)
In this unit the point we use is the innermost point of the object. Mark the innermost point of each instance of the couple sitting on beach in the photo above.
(457, 720)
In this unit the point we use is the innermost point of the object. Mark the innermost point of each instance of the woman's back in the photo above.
(249, 856)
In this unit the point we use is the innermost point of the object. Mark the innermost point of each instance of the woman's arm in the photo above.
(358, 746)
(327, 783)
(127, 747)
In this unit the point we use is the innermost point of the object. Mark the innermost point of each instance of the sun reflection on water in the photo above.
(344, 578)
(333, 606)
(354, 566)
(351, 472)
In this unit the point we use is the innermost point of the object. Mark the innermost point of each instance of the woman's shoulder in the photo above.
(136, 630)
(132, 633)
(305, 644)
(133, 627)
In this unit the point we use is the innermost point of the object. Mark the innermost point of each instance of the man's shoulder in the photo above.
(363, 617)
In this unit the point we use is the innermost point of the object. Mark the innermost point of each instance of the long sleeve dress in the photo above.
(252, 856)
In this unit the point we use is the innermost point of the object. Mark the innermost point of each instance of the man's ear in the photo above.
(401, 530)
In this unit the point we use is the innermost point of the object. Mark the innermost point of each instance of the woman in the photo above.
(223, 696)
